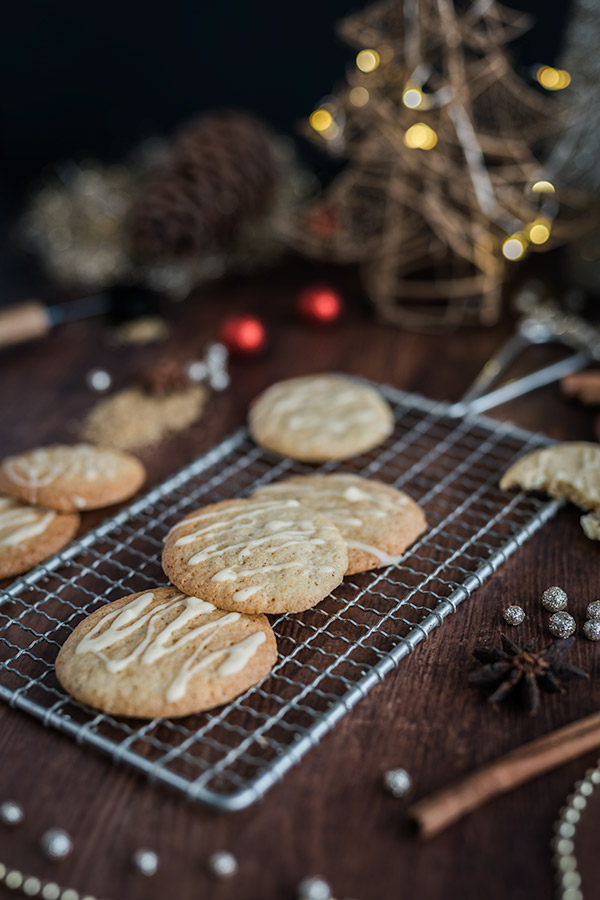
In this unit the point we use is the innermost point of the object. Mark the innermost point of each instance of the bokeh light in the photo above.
(367, 60)
(412, 97)
(553, 79)
(359, 96)
(543, 187)
(420, 137)
(539, 232)
(514, 247)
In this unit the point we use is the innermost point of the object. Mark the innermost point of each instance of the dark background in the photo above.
(90, 78)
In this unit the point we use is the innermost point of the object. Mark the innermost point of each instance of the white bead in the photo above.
(31, 886)
(314, 889)
(56, 843)
(567, 864)
(197, 370)
(219, 380)
(13, 879)
(99, 380)
(565, 845)
(222, 864)
(397, 782)
(51, 891)
(11, 813)
(146, 862)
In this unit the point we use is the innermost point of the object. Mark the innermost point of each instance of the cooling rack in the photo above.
(330, 656)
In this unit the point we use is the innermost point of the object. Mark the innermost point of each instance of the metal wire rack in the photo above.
(330, 656)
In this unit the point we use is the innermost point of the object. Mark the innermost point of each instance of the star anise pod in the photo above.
(525, 670)
(166, 376)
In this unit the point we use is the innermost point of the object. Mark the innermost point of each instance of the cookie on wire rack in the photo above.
(256, 555)
(377, 521)
(30, 534)
(569, 471)
(72, 477)
(317, 418)
(159, 653)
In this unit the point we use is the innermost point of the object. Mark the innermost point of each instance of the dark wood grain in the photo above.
(329, 815)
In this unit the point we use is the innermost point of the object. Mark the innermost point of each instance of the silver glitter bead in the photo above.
(222, 864)
(145, 861)
(554, 599)
(593, 610)
(562, 624)
(314, 889)
(591, 629)
(99, 380)
(514, 615)
(11, 813)
(56, 843)
(397, 782)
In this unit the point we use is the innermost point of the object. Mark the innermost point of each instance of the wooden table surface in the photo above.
(329, 815)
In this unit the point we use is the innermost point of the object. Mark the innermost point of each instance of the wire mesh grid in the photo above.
(329, 657)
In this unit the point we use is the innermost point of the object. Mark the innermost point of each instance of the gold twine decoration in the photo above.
(441, 184)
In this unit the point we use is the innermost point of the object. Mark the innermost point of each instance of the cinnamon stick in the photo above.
(436, 812)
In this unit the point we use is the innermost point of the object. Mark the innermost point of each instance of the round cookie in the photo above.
(30, 534)
(570, 471)
(320, 417)
(160, 653)
(72, 477)
(376, 521)
(256, 555)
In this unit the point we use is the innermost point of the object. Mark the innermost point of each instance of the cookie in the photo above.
(570, 471)
(68, 478)
(320, 417)
(160, 653)
(30, 534)
(591, 526)
(376, 521)
(256, 555)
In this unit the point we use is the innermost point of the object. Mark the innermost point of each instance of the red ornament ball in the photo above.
(243, 335)
(319, 304)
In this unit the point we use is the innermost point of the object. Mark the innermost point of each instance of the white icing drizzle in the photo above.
(19, 523)
(236, 657)
(43, 466)
(319, 405)
(333, 501)
(275, 535)
(384, 558)
(139, 615)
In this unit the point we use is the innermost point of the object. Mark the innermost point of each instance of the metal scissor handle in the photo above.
(545, 323)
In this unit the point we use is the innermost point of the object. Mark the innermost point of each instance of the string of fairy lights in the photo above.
(327, 121)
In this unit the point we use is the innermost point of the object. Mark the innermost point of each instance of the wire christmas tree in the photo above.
(441, 184)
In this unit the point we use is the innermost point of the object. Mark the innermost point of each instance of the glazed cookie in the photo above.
(160, 653)
(320, 417)
(29, 535)
(570, 471)
(256, 555)
(376, 521)
(67, 478)
(591, 526)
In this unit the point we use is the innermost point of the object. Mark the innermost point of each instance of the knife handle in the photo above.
(22, 322)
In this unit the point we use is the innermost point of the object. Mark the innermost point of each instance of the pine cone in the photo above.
(167, 376)
(221, 172)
